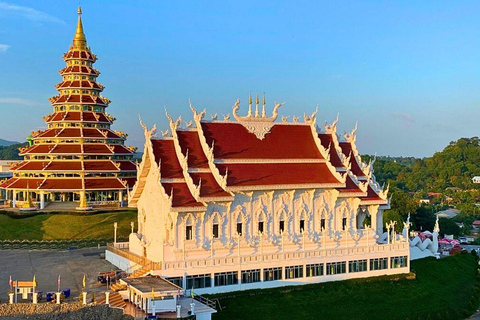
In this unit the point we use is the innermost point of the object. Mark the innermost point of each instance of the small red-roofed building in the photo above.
(78, 158)
(228, 205)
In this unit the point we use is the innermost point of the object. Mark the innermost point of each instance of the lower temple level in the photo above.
(40, 200)
(216, 275)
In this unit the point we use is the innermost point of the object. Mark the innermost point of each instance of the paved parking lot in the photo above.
(48, 264)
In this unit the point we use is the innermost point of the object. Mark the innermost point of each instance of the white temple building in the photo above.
(251, 202)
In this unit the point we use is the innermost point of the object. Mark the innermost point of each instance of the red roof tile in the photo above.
(277, 174)
(346, 149)
(127, 166)
(327, 141)
(24, 183)
(67, 149)
(103, 183)
(181, 195)
(233, 141)
(190, 141)
(100, 165)
(64, 166)
(164, 151)
(350, 186)
(96, 149)
(209, 186)
(62, 184)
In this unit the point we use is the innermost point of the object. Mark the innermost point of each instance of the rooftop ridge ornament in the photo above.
(258, 125)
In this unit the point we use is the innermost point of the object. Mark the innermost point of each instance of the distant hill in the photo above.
(7, 143)
(10, 152)
(454, 166)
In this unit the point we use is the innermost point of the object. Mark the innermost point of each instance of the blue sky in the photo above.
(407, 71)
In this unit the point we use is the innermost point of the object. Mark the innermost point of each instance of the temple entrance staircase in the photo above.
(115, 300)
(61, 206)
(117, 286)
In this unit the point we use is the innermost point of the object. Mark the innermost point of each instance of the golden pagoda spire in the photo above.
(79, 40)
(256, 106)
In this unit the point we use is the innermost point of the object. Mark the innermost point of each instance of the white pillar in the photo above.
(179, 307)
(14, 198)
(58, 297)
(115, 233)
(10, 298)
(107, 298)
(84, 296)
(120, 197)
(192, 308)
(42, 200)
(35, 298)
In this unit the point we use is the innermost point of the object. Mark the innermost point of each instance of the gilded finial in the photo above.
(250, 98)
(79, 40)
(263, 100)
(256, 106)
(250, 104)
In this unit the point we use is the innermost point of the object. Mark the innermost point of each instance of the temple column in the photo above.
(14, 198)
(42, 200)
(120, 197)
(373, 210)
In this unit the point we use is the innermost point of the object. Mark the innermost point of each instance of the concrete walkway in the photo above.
(48, 264)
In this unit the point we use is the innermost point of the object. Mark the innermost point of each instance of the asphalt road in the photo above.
(47, 265)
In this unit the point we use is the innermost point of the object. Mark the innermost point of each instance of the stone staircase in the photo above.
(61, 206)
(118, 286)
(115, 300)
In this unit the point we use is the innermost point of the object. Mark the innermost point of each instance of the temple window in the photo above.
(302, 225)
(260, 227)
(239, 228)
(188, 233)
(281, 226)
(322, 224)
(215, 231)
(344, 223)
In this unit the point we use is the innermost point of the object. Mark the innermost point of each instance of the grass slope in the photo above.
(66, 226)
(444, 289)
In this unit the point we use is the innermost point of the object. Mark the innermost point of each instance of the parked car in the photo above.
(463, 240)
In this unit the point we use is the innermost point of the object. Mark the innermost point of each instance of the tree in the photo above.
(448, 226)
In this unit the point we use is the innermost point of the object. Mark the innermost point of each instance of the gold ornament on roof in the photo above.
(258, 125)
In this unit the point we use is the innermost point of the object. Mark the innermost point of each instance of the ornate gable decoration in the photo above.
(257, 124)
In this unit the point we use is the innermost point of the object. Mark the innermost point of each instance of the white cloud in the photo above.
(16, 101)
(4, 48)
(29, 13)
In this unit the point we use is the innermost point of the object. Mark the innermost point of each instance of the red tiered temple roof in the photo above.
(233, 141)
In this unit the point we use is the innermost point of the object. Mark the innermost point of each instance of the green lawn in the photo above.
(67, 226)
(443, 289)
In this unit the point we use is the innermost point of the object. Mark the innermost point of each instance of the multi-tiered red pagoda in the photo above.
(78, 158)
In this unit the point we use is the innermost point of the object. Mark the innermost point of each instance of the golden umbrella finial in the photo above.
(79, 11)
(250, 98)
(263, 100)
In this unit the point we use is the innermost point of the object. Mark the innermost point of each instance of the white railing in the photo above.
(121, 245)
(281, 256)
